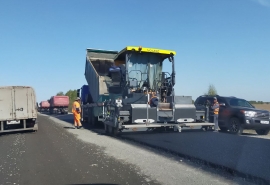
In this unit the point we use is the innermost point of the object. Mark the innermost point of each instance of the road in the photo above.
(244, 155)
(58, 154)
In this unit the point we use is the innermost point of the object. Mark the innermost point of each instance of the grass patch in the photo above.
(262, 106)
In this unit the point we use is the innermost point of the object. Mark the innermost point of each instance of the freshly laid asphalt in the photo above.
(245, 155)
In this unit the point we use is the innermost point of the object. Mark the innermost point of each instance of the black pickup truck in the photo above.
(236, 114)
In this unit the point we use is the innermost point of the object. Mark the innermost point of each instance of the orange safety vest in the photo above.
(76, 106)
(216, 110)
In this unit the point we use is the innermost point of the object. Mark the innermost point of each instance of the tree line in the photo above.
(212, 91)
(258, 102)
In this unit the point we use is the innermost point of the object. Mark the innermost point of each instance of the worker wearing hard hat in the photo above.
(76, 110)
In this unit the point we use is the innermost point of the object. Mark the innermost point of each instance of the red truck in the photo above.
(59, 104)
(44, 106)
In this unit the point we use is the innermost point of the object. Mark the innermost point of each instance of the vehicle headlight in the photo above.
(250, 113)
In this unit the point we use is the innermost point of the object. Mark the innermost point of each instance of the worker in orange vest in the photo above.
(76, 110)
(215, 107)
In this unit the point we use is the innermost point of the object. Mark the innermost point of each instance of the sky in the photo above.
(225, 43)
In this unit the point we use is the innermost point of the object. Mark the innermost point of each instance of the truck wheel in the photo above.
(114, 131)
(92, 118)
(262, 131)
(93, 122)
(35, 129)
(106, 128)
(235, 126)
(109, 130)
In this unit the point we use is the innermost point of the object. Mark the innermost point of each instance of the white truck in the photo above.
(18, 110)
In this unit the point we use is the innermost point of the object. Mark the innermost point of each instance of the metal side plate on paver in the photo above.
(147, 125)
(196, 124)
(183, 120)
(144, 121)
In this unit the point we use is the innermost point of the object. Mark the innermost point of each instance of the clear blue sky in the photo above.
(221, 42)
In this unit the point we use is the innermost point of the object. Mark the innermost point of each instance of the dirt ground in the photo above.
(262, 106)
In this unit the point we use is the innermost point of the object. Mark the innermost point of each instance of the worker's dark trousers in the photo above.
(216, 121)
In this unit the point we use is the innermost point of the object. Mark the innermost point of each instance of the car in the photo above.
(235, 114)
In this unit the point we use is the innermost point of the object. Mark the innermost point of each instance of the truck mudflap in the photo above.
(34, 128)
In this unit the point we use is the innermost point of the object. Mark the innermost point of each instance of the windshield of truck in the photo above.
(240, 103)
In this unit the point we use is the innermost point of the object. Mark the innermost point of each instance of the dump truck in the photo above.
(129, 90)
(97, 65)
(44, 106)
(18, 110)
(59, 104)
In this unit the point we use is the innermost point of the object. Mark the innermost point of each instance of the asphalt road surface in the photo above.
(58, 154)
(244, 155)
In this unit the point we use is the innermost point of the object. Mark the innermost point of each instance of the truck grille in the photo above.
(264, 115)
